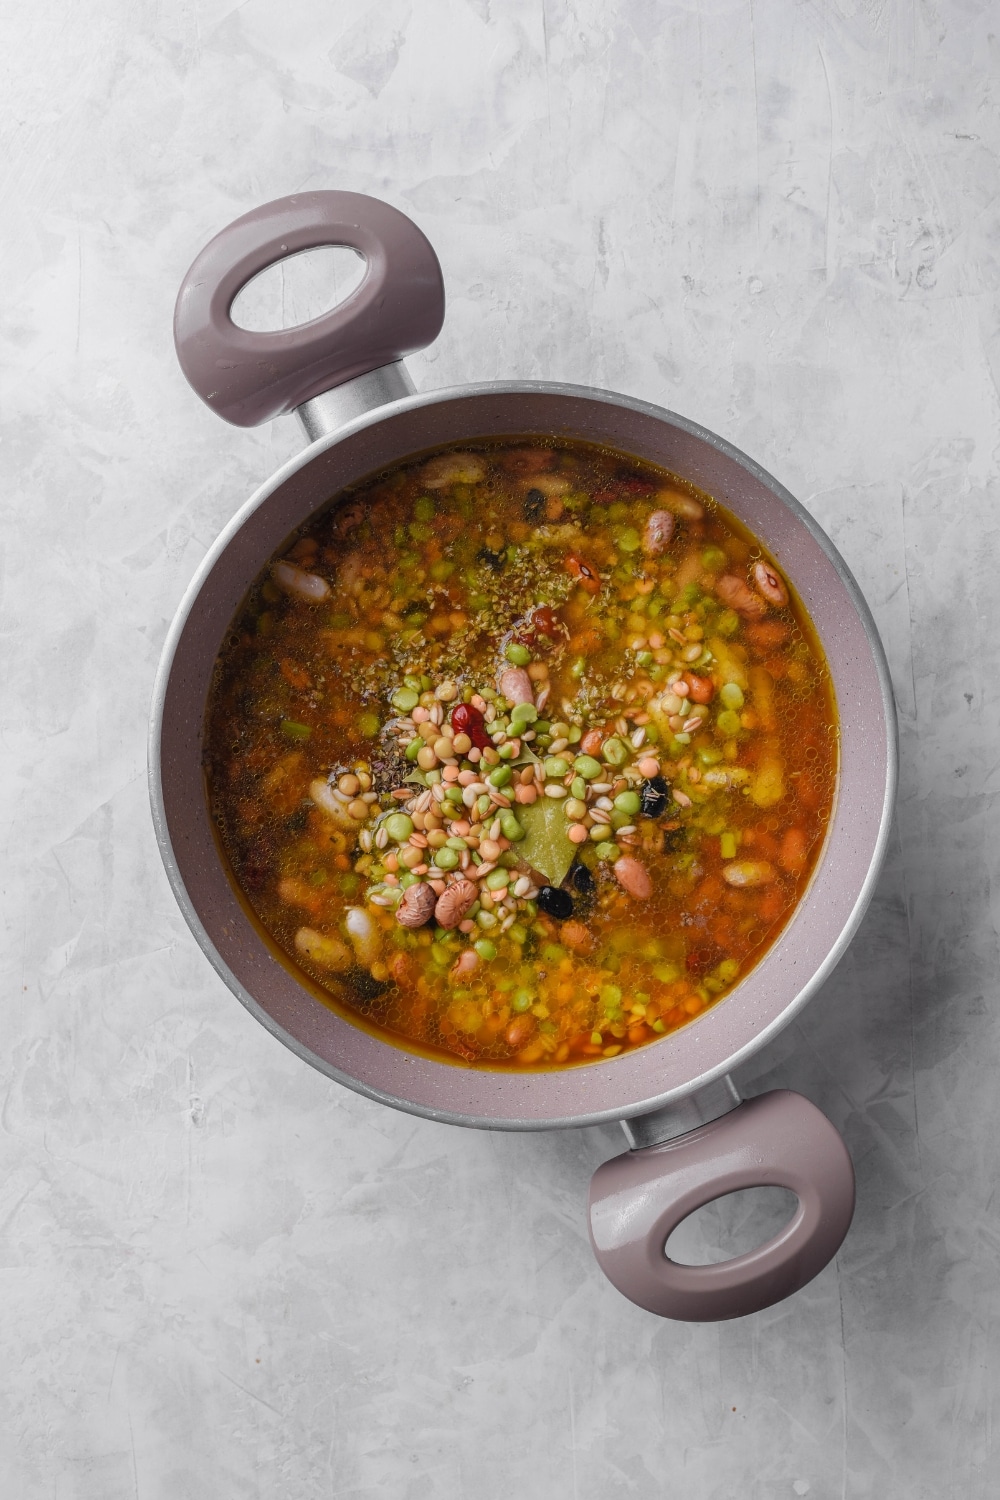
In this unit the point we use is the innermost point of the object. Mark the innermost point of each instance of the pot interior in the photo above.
(769, 995)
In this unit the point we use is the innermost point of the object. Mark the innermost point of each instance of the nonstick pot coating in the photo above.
(770, 995)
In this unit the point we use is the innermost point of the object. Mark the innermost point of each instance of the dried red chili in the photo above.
(468, 720)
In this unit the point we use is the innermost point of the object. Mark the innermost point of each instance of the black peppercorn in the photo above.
(534, 502)
(492, 560)
(654, 795)
(555, 902)
(583, 880)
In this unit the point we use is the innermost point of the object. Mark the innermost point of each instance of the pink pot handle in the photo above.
(249, 377)
(637, 1200)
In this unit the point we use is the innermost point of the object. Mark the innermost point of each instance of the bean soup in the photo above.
(522, 753)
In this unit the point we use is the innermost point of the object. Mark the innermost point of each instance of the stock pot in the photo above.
(690, 1136)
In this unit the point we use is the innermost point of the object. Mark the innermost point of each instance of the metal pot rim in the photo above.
(703, 1038)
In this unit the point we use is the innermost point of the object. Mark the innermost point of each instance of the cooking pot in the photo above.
(691, 1138)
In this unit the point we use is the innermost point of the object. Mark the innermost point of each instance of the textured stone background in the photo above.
(223, 1275)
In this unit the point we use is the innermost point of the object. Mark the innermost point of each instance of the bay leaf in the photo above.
(546, 846)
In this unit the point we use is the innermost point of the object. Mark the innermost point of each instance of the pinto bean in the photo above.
(658, 533)
(633, 877)
(416, 907)
(770, 584)
(453, 902)
(738, 594)
(516, 685)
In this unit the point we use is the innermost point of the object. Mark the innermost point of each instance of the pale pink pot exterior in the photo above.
(638, 1194)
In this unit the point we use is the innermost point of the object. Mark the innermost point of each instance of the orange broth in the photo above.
(523, 753)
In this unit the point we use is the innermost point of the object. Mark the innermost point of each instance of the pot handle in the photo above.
(637, 1200)
(250, 377)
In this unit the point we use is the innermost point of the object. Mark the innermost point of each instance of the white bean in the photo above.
(302, 585)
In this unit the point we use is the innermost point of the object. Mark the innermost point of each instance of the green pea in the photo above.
(486, 950)
(732, 695)
(423, 508)
(507, 751)
(517, 933)
(643, 658)
(530, 910)
(404, 699)
(399, 827)
(553, 953)
(578, 668)
(485, 920)
(555, 767)
(713, 559)
(729, 722)
(578, 789)
(483, 804)
(587, 767)
(628, 802)
(456, 843)
(440, 955)
(614, 752)
(442, 570)
(407, 879)
(621, 819)
(542, 726)
(522, 714)
(432, 777)
(629, 540)
(728, 622)
(414, 748)
(349, 883)
(519, 655)
(511, 827)
(728, 970)
(445, 858)
(414, 684)
(608, 851)
(709, 755)
(500, 776)
(575, 734)
(497, 880)
(368, 725)
(522, 1001)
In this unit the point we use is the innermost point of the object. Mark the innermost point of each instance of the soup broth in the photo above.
(523, 753)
